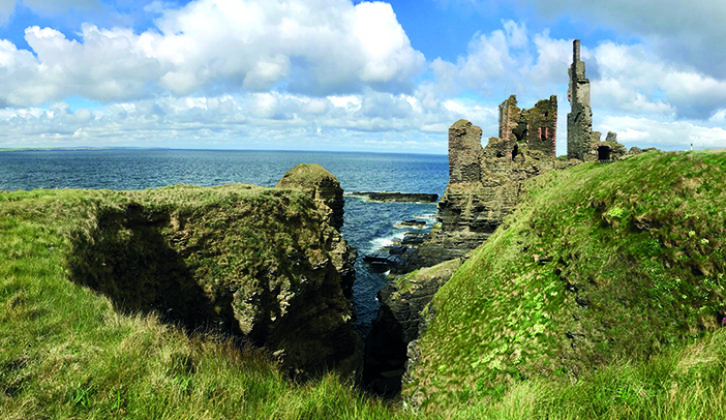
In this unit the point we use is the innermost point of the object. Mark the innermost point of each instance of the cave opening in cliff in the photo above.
(515, 151)
(603, 153)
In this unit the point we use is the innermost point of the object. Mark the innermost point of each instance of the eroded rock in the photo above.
(400, 322)
(262, 264)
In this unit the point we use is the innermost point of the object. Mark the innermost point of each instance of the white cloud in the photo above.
(506, 61)
(636, 81)
(244, 120)
(670, 135)
(301, 46)
(679, 31)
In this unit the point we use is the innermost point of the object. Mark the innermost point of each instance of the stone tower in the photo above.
(579, 120)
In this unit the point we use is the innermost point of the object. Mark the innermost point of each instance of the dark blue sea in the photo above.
(368, 226)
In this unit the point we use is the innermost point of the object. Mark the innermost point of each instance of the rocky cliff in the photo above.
(263, 264)
(484, 187)
(400, 322)
(600, 264)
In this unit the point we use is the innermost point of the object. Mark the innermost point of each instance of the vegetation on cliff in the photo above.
(601, 296)
(198, 257)
(601, 268)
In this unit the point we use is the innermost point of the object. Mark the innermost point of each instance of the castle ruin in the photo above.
(583, 143)
(485, 182)
(536, 127)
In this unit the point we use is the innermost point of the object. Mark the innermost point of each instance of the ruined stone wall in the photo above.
(509, 117)
(535, 128)
(481, 193)
(579, 120)
(542, 126)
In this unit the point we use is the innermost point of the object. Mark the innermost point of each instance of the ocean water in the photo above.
(368, 226)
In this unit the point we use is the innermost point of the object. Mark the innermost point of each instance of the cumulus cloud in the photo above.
(349, 122)
(680, 31)
(312, 47)
(490, 57)
(638, 82)
(668, 135)
(337, 75)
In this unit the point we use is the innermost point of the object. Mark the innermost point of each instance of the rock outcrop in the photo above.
(263, 264)
(324, 188)
(484, 187)
(321, 186)
(399, 322)
(397, 197)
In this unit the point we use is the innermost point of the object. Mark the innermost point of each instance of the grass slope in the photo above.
(67, 353)
(605, 243)
(601, 268)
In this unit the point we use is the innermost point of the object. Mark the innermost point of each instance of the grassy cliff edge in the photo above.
(600, 266)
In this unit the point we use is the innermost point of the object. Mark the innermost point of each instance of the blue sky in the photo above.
(351, 75)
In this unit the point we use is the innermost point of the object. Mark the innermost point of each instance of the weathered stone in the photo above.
(259, 264)
(464, 152)
(399, 322)
(583, 143)
(332, 334)
(397, 197)
(535, 128)
(322, 187)
(470, 211)
(579, 120)
(418, 224)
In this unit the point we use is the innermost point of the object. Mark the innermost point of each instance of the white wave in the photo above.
(380, 243)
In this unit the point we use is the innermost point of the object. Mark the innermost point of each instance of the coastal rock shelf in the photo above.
(397, 197)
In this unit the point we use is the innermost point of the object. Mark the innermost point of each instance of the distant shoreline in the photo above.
(93, 149)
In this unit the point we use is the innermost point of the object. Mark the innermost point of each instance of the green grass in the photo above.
(681, 383)
(628, 258)
(600, 263)
(69, 352)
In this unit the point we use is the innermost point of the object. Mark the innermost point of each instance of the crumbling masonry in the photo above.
(583, 143)
(536, 128)
(579, 120)
(485, 182)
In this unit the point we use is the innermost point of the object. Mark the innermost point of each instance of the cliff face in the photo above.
(599, 263)
(484, 187)
(399, 323)
(264, 264)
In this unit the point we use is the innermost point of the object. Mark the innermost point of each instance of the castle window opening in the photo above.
(543, 133)
(515, 151)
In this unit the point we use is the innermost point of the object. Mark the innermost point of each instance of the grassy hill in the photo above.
(603, 268)
(602, 298)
